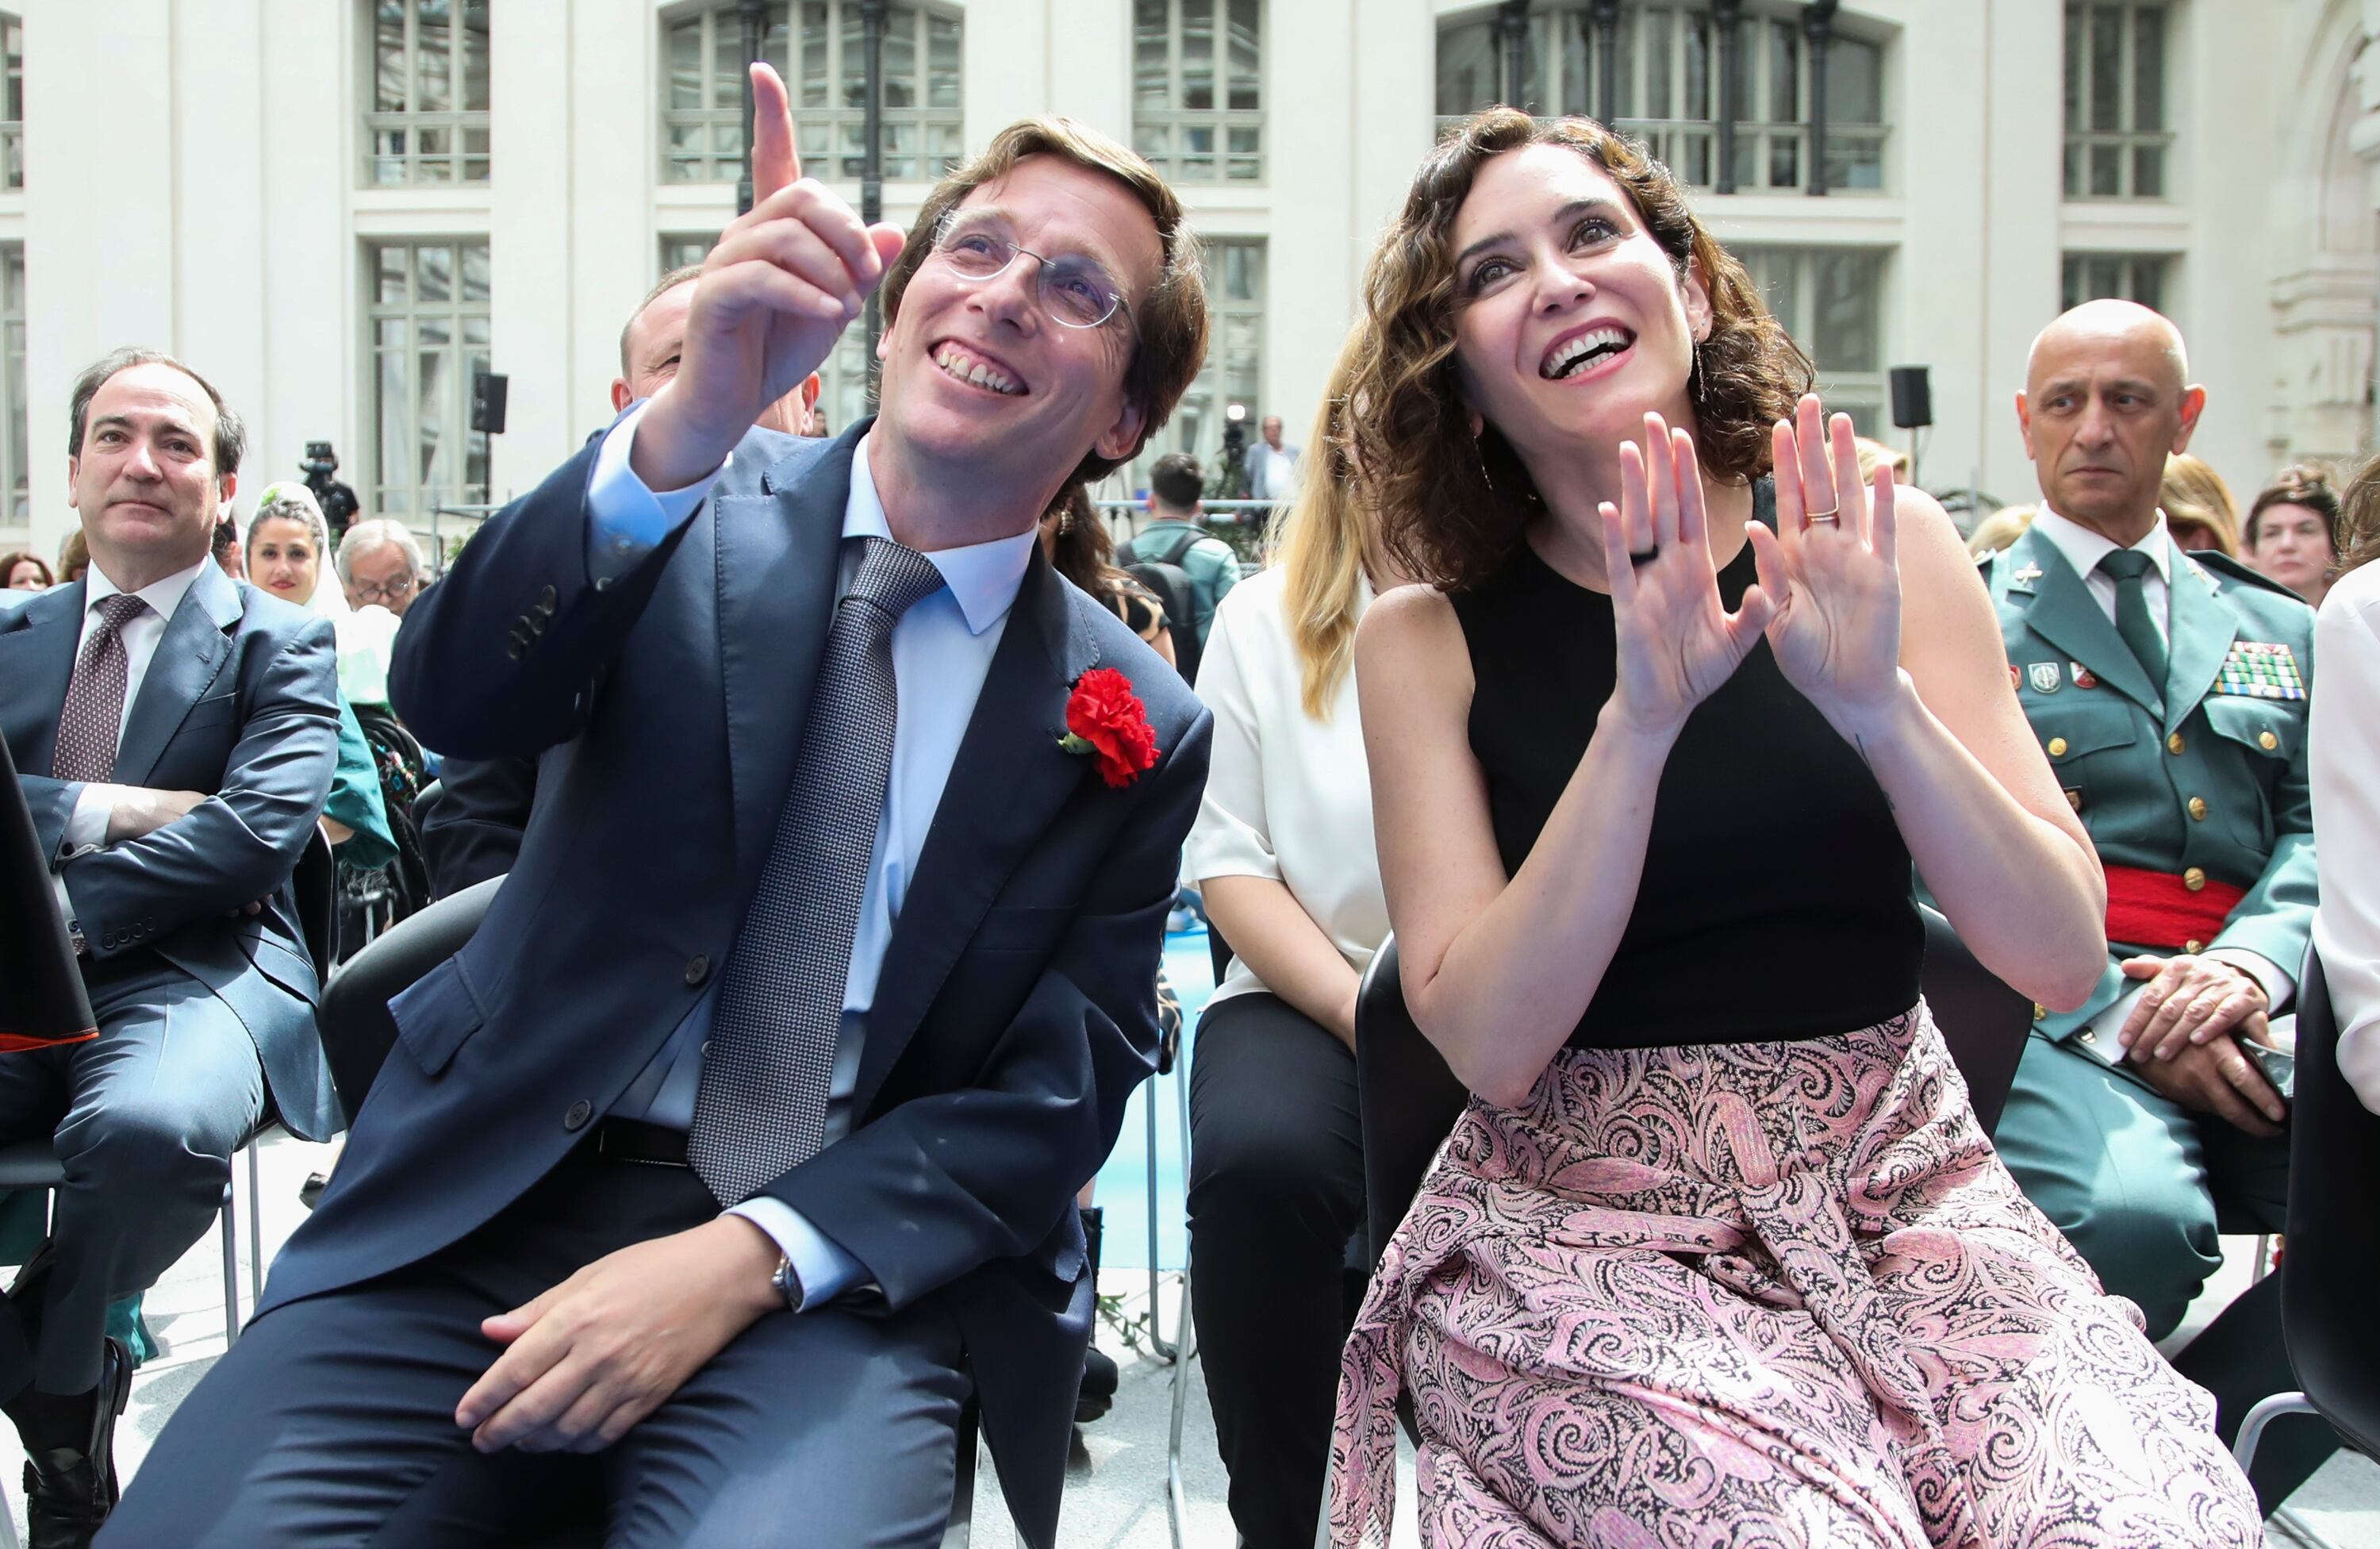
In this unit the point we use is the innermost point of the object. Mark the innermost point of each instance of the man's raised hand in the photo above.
(775, 294)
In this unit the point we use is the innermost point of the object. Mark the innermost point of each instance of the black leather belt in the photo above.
(632, 1140)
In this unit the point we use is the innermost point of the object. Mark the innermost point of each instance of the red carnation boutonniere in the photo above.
(1104, 716)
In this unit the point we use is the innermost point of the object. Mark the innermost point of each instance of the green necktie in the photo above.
(2132, 620)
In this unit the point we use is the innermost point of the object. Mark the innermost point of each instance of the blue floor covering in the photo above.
(1124, 1182)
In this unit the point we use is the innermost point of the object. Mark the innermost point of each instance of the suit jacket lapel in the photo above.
(37, 654)
(2065, 614)
(192, 653)
(2199, 632)
(1006, 784)
(777, 556)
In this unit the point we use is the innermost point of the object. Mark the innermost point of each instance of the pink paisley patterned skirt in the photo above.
(1761, 1295)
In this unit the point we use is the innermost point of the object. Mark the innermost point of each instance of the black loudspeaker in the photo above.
(1913, 397)
(488, 402)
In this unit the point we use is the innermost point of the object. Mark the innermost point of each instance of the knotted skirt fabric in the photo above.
(1757, 1296)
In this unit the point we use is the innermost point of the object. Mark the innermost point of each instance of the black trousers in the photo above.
(1276, 1190)
(331, 1424)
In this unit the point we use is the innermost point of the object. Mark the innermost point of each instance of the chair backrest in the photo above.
(316, 883)
(1406, 1097)
(358, 1031)
(2334, 1254)
(1409, 1099)
(1983, 1022)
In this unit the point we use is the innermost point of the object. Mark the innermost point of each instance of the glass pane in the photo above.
(433, 66)
(477, 331)
(1244, 273)
(1624, 67)
(942, 62)
(389, 333)
(2148, 284)
(1699, 72)
(474, 56)
(2148, 69)
(2069, 285)
(814, 51)
(1657, 64)
(1845, 336)
(475, 272)
(434, 333)
(1152, 84)
(684, 48)
(855, 60)
(2073, 72)
(1466, 66)
(1153, 141)
(1784, 162)
(392, 276)
(396, 439)
(1784, 105)
(388, 57)
(2073, 169)
(2107, 171)
(2148, 172)
(1198, 55)
(1854, 163)
(433, 272)
(2106, 67)
(900, 74)
(2107, 277)
(1854, 82)
(1698, 161)
(1577, 96)
(1245, 62)
(431, 409)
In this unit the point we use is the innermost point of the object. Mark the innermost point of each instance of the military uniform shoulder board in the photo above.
(2262, 670)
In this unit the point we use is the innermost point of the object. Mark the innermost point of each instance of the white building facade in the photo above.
(341, 210)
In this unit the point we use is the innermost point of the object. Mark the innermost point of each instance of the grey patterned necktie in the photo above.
(93, 720)
(2129, 567)
(766, 1074)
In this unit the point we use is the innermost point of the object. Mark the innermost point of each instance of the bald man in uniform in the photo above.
(2168, 690)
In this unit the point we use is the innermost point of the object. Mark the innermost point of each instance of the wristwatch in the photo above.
(788, 1283)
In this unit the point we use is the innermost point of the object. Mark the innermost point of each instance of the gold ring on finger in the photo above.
(1834, 514)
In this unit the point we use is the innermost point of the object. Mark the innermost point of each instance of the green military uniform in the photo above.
(2203, 777)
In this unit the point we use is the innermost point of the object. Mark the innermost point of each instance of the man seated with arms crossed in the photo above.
(742, 1140)
(473, 831)
(2169, 692)
(174, 732)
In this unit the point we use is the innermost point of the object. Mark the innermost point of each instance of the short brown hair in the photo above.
(1176, 480)
(2306, 485)
(685, 273)
(1169, 327)
(230, 437)
(1451, 516)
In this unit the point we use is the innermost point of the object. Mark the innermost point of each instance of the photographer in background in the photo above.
(338, 501)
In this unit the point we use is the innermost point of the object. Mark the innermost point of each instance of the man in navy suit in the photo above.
(741, 1142)
(174, 732)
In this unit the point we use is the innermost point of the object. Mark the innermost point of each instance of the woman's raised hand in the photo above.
(1676, 642)
(1830, 569)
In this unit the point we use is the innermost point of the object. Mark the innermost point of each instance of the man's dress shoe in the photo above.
(71, 1490)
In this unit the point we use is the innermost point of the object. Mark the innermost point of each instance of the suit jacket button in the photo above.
(697, 969)
(580, 1112)
(547, 598)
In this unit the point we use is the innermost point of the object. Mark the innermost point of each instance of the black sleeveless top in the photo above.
(1776, 900)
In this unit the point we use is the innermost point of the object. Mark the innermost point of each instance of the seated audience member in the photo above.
(2346, 769)
(1283, 853)
(228, 551)
(2198, 511)
(473, 832)
(1717, 1253)
(25, 572)
(1076, 544)
(286, 540)
(74, 557)
(1178, 538)
(2293, 533)
(737, 1149)
(174, 732)
(1999, 530)
(2169, 694)
(381, 566)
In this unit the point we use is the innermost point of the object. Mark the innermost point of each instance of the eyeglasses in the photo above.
(1075, 291)
(371, 592)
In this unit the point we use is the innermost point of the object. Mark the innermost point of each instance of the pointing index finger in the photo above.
(775, 163)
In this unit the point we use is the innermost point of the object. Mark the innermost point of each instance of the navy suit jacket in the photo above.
(241, 700)
(1016, 1007)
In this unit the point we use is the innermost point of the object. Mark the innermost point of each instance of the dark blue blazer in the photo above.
(1015, 1010)
(241, 700)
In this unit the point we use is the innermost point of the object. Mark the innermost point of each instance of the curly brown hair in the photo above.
(1450, 515)
(1169, 326)
(2359, 519)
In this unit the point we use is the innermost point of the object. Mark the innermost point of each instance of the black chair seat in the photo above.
(2334, 1254)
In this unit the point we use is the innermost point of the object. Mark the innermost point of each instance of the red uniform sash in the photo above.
(2158, 908)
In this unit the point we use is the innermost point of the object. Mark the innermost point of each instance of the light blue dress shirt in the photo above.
(941, 652)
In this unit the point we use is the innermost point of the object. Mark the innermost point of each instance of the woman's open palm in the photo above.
(1676, 642)
(1830, 569)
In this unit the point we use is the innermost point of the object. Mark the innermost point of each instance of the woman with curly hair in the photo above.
(1717, 1250)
